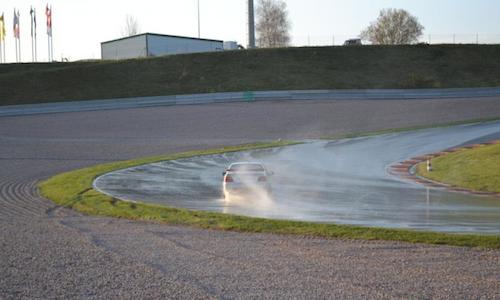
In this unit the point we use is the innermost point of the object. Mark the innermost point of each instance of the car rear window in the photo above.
(246, 168)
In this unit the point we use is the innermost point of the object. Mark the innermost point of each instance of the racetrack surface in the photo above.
(344, 181)
(49, 251)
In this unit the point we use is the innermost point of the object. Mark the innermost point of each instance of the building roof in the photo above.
(161, 35)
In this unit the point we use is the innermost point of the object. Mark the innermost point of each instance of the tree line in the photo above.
(392, 27)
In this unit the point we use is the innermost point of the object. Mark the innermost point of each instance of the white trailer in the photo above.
(152, 44)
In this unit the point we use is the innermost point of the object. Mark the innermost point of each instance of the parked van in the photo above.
(353, 42)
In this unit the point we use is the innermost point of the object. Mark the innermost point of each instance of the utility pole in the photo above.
(251, 25)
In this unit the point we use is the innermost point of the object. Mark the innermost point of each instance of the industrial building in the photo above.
(152, 44)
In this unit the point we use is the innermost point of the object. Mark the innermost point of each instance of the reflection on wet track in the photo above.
(344, 181)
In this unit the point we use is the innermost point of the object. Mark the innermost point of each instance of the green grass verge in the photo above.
(74, 190)
(477, 169)
(412, 66)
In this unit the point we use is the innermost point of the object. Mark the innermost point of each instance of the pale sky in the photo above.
(80, 26)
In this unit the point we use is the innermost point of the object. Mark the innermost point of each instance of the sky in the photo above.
(80, 26)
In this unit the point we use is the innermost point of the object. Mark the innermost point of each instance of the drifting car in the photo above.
(246, 177)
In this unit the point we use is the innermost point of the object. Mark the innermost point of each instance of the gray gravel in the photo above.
(51, 252)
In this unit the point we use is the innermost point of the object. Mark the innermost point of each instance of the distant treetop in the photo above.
(393, 27)
(273, 25)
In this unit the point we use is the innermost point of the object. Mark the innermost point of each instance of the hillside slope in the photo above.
(435, 66)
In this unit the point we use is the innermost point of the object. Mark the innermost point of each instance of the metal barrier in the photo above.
(248, 96)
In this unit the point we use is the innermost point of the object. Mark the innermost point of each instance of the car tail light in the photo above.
(262, 179)
(228, 178)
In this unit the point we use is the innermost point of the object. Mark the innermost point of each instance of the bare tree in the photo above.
(393, 27)
(273, 25)
(131, 26)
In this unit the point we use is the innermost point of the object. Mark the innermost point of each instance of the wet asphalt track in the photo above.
(49, 252)
(344, 181)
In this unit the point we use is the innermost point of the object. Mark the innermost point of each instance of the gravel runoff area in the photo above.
(49, 252)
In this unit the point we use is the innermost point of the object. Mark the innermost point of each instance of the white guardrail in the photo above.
(249, 96)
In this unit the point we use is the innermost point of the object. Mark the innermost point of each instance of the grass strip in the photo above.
(74, 190)
(477, 169)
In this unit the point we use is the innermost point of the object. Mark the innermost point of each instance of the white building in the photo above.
(152, 44)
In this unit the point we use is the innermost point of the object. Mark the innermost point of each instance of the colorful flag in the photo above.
(3, 32)
(17, 29)
(48, 13)
(33, 22)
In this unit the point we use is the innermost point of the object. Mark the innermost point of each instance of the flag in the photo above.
(17, 31)
(3, 32)
(48, 13)
(33, 22)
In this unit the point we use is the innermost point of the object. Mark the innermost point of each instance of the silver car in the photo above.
(246, 177)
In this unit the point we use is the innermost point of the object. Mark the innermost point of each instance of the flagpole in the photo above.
(2, 40)
(34, 35)
(51, 37)
(52, 47)
(19, 36)
(32, 46)
(50, 41)
(32, 43)
(198, 18)
(15, 35)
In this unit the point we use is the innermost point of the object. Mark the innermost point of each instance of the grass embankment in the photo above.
(435, 66)
(476, 169)
(74, 190)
